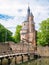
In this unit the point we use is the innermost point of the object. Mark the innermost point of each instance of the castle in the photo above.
(28, 31)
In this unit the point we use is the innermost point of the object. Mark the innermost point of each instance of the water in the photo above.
(41, 61)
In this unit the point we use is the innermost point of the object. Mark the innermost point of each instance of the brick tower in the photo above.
(28, 31)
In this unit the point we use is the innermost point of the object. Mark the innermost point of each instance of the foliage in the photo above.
(43, 33)
(17, 33)
(5, 34)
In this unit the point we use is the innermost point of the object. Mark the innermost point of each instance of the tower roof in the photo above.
(28, 11)
(28, 8)
(31, 14)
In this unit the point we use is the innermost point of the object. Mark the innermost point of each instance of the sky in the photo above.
(14, 12)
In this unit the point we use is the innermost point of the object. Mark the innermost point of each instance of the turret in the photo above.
(28, 13)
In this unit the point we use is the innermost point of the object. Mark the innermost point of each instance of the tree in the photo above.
(17, 33)
(43, 33)
(5, 34)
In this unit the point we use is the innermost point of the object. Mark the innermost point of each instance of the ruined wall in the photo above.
(5, 48)
(43, 51)
(11, 47)
(21, 47)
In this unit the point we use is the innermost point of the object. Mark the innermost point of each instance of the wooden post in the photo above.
(15, 60)
(22, 58)
(28, 57)
(9, 61)
(1, 60)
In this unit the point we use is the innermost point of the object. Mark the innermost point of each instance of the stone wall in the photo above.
(21, 47)
(11, 47)
(43, 51)
(5, 48)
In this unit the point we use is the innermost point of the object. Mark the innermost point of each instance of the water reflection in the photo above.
(41, 61)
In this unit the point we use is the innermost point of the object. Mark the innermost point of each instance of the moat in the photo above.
(40, 61)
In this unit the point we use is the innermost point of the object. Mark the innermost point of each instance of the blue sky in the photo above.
(14, 12)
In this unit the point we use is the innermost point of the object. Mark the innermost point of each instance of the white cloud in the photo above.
(11, 7)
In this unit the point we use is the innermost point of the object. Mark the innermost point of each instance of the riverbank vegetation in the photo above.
(43, 33)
